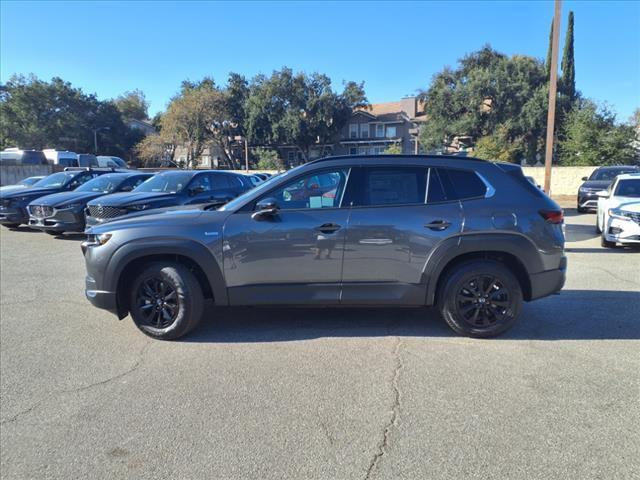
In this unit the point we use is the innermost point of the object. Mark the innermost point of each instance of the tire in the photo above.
(463, 306)
(598, 227)
(184, 301)
(581, 210)
(606, 243)
(53, 233)
(11, 225)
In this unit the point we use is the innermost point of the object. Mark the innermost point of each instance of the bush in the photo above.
(268, 159)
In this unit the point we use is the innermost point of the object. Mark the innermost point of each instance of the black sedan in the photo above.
(600, 179)
(64, 211)
(168, 189)
(13, 204)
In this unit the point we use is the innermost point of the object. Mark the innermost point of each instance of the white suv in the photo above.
(618, 217)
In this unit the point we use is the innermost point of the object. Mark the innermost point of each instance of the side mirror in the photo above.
(603, 194)
(267, 207)
(584, 179)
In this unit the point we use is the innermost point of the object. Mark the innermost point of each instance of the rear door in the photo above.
(398, 217)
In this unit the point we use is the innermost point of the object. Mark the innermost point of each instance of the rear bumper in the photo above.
(547, 283)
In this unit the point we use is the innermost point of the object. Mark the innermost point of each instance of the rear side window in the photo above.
(436, 192)
(461, 184)
(394, 185)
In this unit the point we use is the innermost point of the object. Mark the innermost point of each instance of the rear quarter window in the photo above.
(461, 184)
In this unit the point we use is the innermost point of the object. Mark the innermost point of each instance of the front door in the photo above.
(398, 217)
(295, 255)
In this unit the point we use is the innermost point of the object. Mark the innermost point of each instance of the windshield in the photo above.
(628, 188)
(609, 173)
(173, 182)
(104, 183)
(29, 181)
(56, 180)
(238, 201)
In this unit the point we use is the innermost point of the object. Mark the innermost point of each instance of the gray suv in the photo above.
(471, 237)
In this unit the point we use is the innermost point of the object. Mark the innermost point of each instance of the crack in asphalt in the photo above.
(395, 411)
(626, 280)
(130, 370)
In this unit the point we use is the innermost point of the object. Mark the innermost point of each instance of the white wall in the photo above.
(564, 180)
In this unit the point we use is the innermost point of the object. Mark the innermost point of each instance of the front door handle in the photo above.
(328, 228)
(438, 225)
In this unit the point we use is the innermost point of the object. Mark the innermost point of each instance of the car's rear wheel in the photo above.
(53, 233)
(480, 298)
(166, 301)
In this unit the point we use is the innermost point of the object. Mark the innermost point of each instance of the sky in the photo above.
(108, 48)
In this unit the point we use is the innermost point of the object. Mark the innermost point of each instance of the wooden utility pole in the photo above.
(553, 84)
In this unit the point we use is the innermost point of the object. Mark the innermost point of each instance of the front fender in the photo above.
(197, 252)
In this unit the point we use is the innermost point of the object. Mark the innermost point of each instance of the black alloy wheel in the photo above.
(483, 301)
(157, 302)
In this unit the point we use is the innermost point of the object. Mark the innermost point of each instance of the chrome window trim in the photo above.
(490, 190)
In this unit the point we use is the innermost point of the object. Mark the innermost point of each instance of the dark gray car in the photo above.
(473, 238)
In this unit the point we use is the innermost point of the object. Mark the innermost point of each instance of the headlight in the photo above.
(138, 207)
(619, 214)
(98, 239)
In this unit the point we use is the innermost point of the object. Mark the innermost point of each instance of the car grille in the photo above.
(104, 211)
(41, 211)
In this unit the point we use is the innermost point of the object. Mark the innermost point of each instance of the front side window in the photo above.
(317, 190)
(201, 183)
(394, 185)
(173, 182)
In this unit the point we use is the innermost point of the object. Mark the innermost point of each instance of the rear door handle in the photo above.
(438, 225)
(328, 228)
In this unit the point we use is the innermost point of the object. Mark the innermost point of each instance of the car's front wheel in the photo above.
(480, 298)
(166, 301)
(606, 243)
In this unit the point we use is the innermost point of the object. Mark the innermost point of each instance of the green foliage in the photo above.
(488, 92)
(567, 84)
(547, 63)
(592, 137)
(38, 114)
(298, 109)
(393, 149)
(268, 159)
(132, 105)
(497, 147)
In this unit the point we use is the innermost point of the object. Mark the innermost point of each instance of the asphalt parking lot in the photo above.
(318, 394)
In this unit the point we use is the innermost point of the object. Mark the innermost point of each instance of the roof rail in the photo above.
(378, 156)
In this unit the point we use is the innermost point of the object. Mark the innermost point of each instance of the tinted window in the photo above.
(201, 182)
(55, 180)
(610, 173)
(319, 190)
(220, 181)
(461, 184)
(436, 192)
(394, 185)
(628, 188)
(103, 183)
(173, 182)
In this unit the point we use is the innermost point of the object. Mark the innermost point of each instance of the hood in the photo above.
(170, 220)
(32, 193)
(12, 188)
(631, 207)
(597, 184)
(63, 198)
(124, 199)
(623, 202)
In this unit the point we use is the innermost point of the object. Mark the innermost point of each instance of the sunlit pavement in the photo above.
(323, 394)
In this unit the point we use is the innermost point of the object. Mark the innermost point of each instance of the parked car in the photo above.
(617, 219)
(472, 237)
(110, 161)
(65, 211)
(600, 179)
(87, 160)
(255, 180)
(170, 188)
(61, 157)
(13, 205)
(15, 156)
(22, 184)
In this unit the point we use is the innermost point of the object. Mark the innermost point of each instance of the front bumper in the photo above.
(12, 215)
(547, 283)
(622, 231)
(59, 221)
(100, 298)
(588, 200)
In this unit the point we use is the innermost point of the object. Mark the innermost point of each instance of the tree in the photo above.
(393, 149)
(568, 80)
(547, 63)
(153, 151)
(38, 114)
(592, 137)
(133, 105)
(268, 159)
(487, 93)
(298, 109)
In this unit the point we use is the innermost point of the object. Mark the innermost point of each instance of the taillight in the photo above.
(553, 216)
